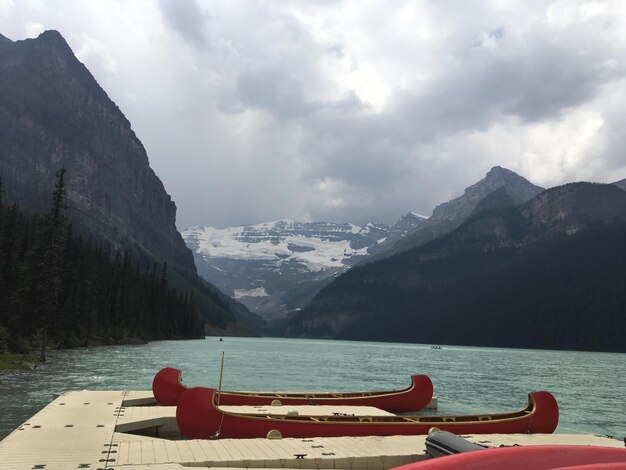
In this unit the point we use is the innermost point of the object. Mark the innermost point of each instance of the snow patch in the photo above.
(263, 242)
(258, 292)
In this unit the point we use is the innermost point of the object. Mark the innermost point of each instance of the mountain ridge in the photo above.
(621, 184)
(274, 275)
(451, 214)
(275, 267)
(53, 113)
(518, 258)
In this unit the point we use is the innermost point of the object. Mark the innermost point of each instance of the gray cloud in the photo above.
(186, 18)
(536, 80)
(349, 112)
(274, 90)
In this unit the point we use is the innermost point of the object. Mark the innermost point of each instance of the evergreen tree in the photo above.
(58, 289)
(52, 239)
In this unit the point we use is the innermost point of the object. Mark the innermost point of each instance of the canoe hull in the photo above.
(528, 458)
(199, 418)
(168, 389)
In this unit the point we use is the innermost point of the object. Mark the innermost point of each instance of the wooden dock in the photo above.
(102, 430)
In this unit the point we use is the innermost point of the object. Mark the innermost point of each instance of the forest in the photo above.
(561, 292)
(60, 289)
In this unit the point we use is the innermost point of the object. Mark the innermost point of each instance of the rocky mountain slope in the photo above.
(53, 113)
(449, 215)
(278, 266)
(547, 274)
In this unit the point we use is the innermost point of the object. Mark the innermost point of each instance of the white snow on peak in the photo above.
(257, 292)
(252, 243)
(419, 215)
(366, 228)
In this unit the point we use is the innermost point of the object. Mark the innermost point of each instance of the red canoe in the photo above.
(528, 458)
(168, 388)
(198, 417)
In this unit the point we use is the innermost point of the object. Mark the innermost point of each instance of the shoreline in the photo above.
(21, 362)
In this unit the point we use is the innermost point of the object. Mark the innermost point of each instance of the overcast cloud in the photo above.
(351, 110)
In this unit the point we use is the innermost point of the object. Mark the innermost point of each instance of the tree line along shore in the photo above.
(60, 289)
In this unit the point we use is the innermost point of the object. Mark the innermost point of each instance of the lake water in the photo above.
(590, 387)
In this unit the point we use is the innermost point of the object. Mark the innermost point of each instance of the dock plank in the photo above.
(185, 452)
(80, 428)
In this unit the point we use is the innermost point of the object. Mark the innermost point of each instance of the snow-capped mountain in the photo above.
(276, 267)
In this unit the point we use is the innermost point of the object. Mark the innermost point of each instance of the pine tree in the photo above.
(53, 243)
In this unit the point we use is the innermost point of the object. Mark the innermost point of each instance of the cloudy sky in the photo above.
(351, 110)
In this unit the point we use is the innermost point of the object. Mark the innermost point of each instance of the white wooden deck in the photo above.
(91, 430)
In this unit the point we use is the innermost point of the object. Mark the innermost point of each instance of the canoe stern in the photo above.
(545, 417)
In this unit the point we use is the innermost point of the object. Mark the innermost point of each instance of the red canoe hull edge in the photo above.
(198, 418)
(414, 398)
(167, 389)
(528, 458)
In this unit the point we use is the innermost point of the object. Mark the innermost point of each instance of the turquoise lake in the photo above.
(589, 387)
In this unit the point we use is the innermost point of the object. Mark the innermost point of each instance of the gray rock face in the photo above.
(449, 215)
(53, 113)
(563, 210)
(574, 207)
(405, 225)
(460, 208)
(621, 184)
(276, 267)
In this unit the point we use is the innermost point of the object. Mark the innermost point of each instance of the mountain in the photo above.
(54, 114)
(548, 273)
(276, 267)
(405, 225)
(449, 215)
(621, 184)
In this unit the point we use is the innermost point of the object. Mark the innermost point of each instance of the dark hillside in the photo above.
(547, 274)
